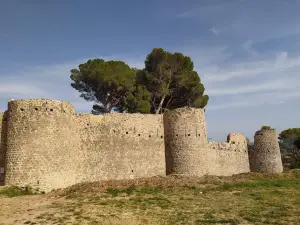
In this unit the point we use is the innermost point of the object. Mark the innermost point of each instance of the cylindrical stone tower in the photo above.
(265, 156)
(185, 133)
(41, 140)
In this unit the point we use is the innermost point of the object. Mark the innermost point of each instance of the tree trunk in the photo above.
(160, 104)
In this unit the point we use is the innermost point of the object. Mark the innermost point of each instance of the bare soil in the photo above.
(240, 199)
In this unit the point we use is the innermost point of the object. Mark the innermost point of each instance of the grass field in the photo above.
(241, 199)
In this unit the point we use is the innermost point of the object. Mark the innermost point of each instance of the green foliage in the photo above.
(107, 83)
(172, 81)
(297, 143)
(265, 128)
(14, 191)
(168, 81)
(290, 134)
(289, 142)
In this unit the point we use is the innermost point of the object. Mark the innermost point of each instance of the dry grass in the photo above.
(241, 199)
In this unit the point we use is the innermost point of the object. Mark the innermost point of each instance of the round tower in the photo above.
(41, 140)
(185, 133)
(265, 156)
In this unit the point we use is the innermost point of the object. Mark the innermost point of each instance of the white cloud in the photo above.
(248, 47)
(279, 63)
(258, 99)
(51, 81)
(271, 85)
(215, 31)
(255, 20)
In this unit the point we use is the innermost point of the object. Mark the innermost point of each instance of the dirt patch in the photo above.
(240, 199)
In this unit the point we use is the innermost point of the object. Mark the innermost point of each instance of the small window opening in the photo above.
(161, 136)
(36, 109)
(51, 110)
(139, 134)
(131, 171)
(126, 132)
(149, 135)
(199, 135)
(22, 109)
(189, 134)
(233, 142)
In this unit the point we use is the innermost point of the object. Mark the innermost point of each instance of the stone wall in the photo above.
(121, 146)
(46, 145)
(188, 152)
(51, 147)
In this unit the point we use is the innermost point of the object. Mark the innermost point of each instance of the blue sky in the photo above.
(247, 53)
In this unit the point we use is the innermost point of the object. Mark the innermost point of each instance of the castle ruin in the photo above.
(46, 145)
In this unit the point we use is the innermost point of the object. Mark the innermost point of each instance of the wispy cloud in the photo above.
(255, 20)
(278, 63)
(50, 81)
(215, 31)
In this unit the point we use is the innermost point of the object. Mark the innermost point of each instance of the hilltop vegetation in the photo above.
(167, 81)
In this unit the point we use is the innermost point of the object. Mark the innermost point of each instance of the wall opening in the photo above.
(22, 109)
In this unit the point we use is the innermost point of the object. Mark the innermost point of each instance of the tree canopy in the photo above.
(168, 81)
(104, 82)
(291, 134)
(172, 81)
(289, 142)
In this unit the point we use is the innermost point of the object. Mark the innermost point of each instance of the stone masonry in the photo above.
(46, 145)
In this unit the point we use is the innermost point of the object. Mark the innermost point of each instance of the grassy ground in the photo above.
(242, 199)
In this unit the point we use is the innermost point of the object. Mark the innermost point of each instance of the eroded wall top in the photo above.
(237, 138)
(41, 105)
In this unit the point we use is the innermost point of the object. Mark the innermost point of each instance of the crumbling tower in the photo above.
(3, 139)
(265, 156)
(185, 133)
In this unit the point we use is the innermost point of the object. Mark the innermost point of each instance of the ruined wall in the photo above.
(265, 156)
(49, 146)
(237, 138)
(121, 146)
(225, 159)
(42, 144)
(188, 151)
(3, 134)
